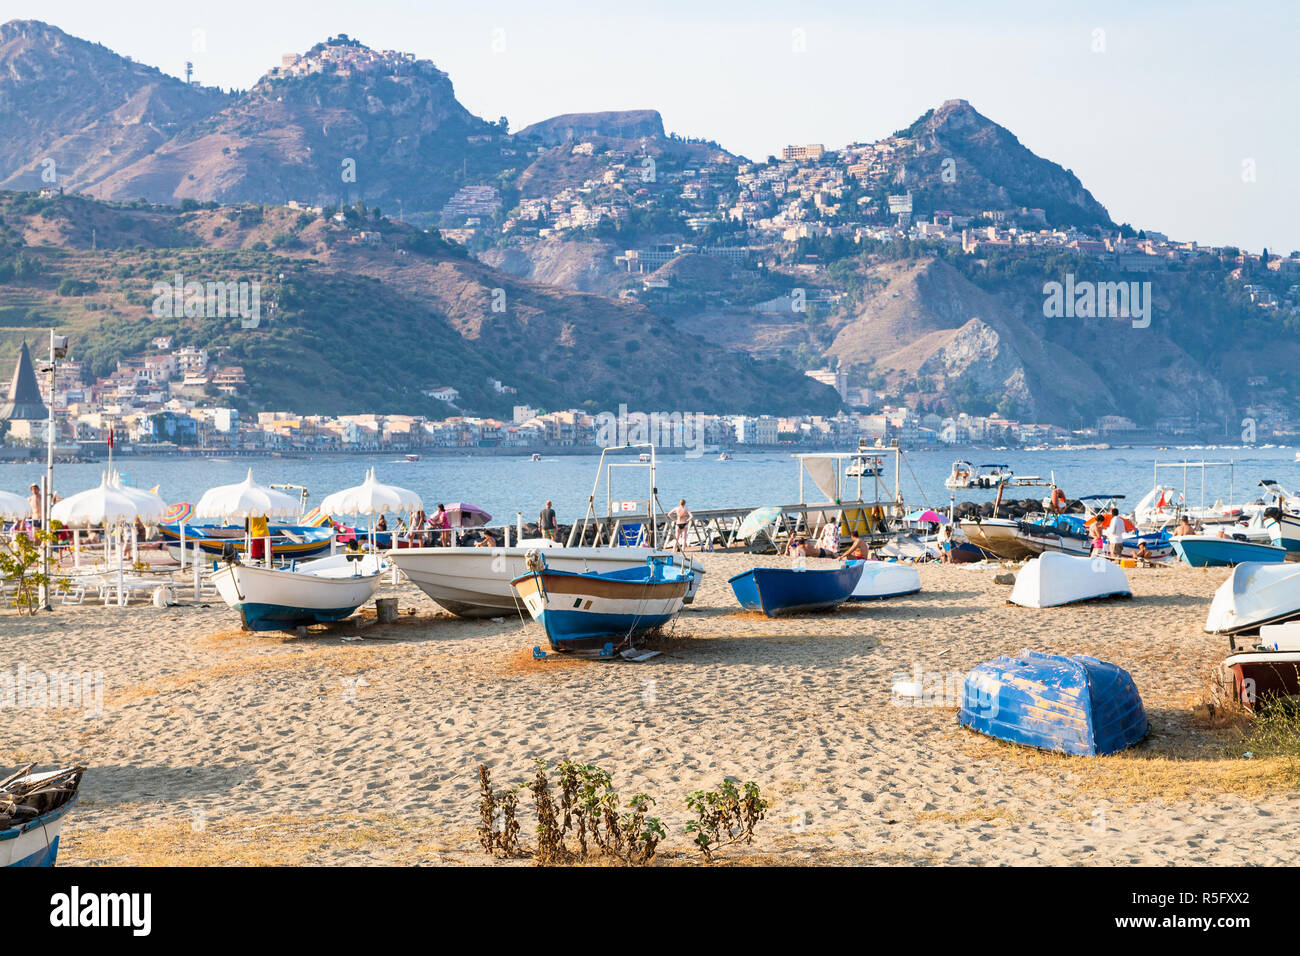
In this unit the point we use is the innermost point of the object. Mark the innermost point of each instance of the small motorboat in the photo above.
(885, 579)
(535, 457)
(1253, 595)
(412, 457)
(779, 591)
(1052, 579)
(1211, 551)
(1074, 705)
(603, 612)
(965, 476)
(32, 808)
(312, 592)
(864, 467)
(724, 456)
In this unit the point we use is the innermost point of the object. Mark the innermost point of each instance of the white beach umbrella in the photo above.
(371, 497)
(102, 505)
(13, 506)
(152, 507)
(246, 500)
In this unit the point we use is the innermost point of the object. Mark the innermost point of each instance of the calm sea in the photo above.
(503, 485)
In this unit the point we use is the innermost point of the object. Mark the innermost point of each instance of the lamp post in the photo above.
(58, 350)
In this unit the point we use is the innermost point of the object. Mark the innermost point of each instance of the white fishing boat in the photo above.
(997, 535)
(885, 579)
(1053, 579)
(1254, 595)
(864, 467)
(32, 808)
(475, 582)
(309, 592)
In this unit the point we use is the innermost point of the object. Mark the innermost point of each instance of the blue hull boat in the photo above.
(287, 541)
(1201, 551)
(1075, 705)
(29, 835)
(777, 591)
(603, 611)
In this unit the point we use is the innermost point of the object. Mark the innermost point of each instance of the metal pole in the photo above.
(48, 493)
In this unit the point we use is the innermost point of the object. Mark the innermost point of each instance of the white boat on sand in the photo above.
(309, 592)
(885, 579)
(1053, 579)
(1255, 594)
(475, 582)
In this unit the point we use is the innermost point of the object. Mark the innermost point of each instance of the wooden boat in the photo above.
(475, 582)
(1051, 580)
(287, 541)
(885, 579)
(778, 591)
(1254, 594)
(32, 808)
(312, 592)
(603, 612)
(1075, 705)
(1210, 551)
(997, 535)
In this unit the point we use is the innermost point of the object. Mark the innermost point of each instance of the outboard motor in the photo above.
(229, 555)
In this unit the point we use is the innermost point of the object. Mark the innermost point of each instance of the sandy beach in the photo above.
(361, 745)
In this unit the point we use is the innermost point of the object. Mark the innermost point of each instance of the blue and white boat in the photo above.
(311, 592)
(778, 591)
(1211, 551)
(1070, 534)
(1075, 705)
(32, 808)
(606, 611)
(885, 579)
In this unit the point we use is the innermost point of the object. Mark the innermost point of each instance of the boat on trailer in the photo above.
(32, 809)
(780, 591)
(1075, 705)
(312, 592)
(602, 612)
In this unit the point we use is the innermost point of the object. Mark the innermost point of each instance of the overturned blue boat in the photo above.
(778, 591)
(1074, 705)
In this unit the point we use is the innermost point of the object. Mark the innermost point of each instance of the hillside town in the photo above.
(164, 404)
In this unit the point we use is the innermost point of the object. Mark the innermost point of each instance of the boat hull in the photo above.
(1283, 529)
(1202, 551)
(589, 611)
(885, 579)
(1254, 594)
(781, 591)
(1053, 580)
(475, 582)
(1075, 705)
(997, 535)
(313, 542)
(270, 600)
(1259, 675)
(35, 842)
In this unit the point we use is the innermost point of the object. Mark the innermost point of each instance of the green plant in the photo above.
(1275, 730)
(550, 838)
(20, 559)
(724, 816)
(494, 806)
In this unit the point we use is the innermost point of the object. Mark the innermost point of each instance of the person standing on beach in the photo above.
(442, 521)
(1115, 533)
(681, 516)
(34, 504)
(546, 526)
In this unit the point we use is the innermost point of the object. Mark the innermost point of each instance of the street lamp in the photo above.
(58, 350)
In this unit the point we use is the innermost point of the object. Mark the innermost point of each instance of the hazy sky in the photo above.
(1162, 109)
